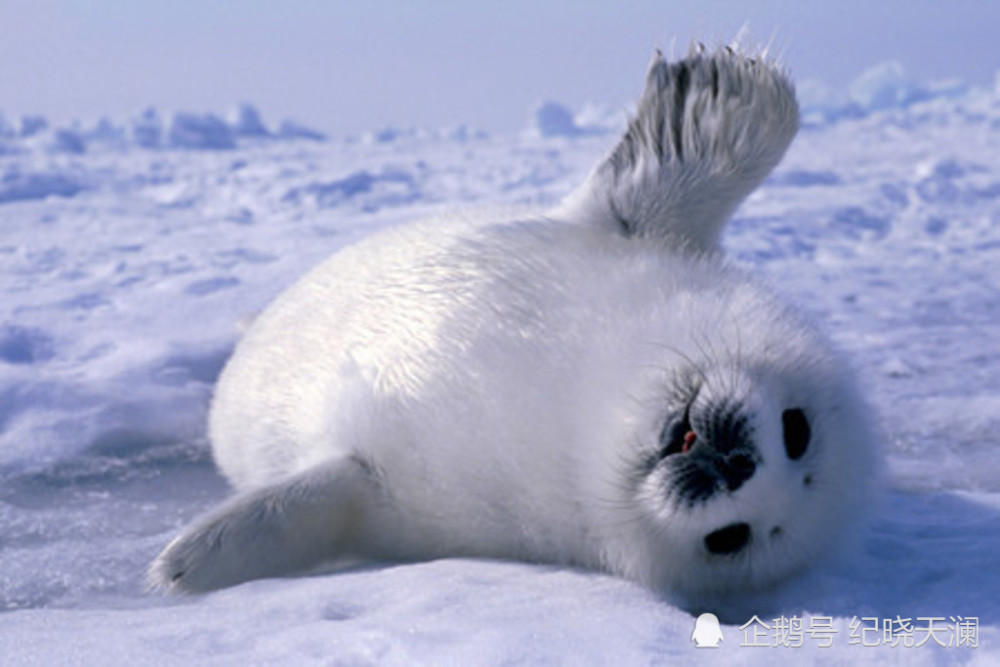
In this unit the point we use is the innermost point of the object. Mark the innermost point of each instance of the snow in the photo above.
(68, 141)
(16, 185)
(554, 120)
(200, 131)
(32, 125)
(884, 86)
(551, 119)
(128, 267)
(246, 122)
(289, 129)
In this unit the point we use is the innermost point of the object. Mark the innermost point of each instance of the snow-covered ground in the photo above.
(131, 251)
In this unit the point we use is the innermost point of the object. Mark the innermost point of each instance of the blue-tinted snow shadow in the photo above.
(925, 555)
(933, 554)
(82, 531)
(149, 473)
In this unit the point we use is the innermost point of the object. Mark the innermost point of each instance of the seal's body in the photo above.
(592, 385)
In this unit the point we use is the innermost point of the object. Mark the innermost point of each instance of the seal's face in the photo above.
(750, 475)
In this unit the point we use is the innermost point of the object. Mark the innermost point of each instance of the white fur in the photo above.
(708, 130)
(492, 386)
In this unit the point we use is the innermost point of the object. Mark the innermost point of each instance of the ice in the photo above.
(290, 129)
(128, 269)
(820, 103)
(386, 135)
(32, 125)
(68, 141)
(599, 119)
(883, 87)
(16, 185)
(389, 187)
(463, 133)
(147, 130)
(246, 122)
(6, 128)
(199, 131)
(552, 119)
(105, 130)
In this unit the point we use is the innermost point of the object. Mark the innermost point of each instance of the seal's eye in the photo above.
(677, 437)
(796, 432)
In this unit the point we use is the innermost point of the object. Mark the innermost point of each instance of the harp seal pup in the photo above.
(592, 385)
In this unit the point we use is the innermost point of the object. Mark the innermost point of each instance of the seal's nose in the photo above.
(728, 540)
(729, 436)
(736, 468)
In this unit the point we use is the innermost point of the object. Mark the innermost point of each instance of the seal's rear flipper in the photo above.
(281, 529)
(707, 131)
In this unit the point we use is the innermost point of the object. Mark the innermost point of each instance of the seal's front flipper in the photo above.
(707, 130)
(280, 529)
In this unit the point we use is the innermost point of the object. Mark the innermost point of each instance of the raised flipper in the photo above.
(707, 130)
(280, 529)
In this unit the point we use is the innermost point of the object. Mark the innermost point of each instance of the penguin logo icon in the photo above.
(707, 633)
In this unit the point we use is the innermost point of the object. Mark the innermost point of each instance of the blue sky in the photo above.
(359, 64)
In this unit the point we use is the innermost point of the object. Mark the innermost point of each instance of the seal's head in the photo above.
(755, 464)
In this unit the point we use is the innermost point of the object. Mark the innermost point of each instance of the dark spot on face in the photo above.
(741, 463)
(673, 435)
(729, 540)
(695, 478)
(776, 531)
(796, 432)
(807, 480)
(706, 453)
(736, 469)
